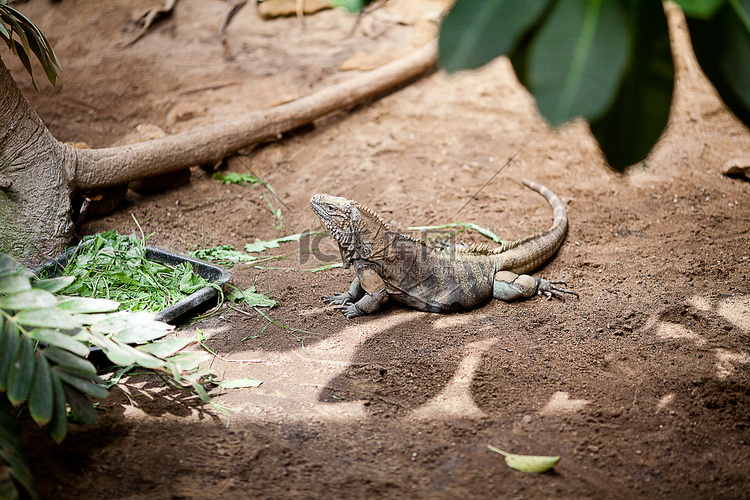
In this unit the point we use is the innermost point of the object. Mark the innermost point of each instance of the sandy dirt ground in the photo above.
(642, 385)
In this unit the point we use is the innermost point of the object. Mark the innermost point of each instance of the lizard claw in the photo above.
(349, 309)
(336, 298)
(549, 289)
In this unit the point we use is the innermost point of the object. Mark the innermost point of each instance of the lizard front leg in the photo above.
(511, 286)
(368, 294)
(366, 305)
(354, 293)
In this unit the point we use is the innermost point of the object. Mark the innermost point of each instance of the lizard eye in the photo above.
(331, 209)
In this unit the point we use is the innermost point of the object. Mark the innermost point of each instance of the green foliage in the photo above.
(44, 340)
(606, 61)
(23, 38)
(475, 32)
(113, 266)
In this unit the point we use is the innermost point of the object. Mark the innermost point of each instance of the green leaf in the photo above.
(13, 463)
(58, 426)
(239, 383)
(628, 131)
(577, 59)
(189, 361)
(59, 339)
(28, 299)
(165, 348)
(54, 284)
(132, 327)
(260, 245)
(80, 404)
(41, 400)
(236, 178)
(476, 31)
(47, 318)
(722, 46)
(116, 353)
(32, 41)
(222, 253)
(66, 358)
(10, 341)
(21, 372)
(4, 33)
(527, 463)
(14, 282)
(703, 9)
(250, 297)
(82, 384)
(81, 305)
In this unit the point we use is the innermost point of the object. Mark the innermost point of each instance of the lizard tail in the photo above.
(524, 255)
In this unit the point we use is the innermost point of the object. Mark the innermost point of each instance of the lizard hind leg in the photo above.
(509, 286)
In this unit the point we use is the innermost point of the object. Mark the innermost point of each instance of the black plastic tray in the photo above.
(182, 309)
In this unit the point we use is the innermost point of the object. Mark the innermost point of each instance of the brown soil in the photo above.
(642, 385)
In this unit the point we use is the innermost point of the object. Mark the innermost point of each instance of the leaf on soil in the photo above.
(225, 254)
(250, 297)
(527, 463)
(261, 245)
(236, 178)
(239, 383)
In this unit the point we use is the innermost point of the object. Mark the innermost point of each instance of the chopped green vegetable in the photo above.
(115, 267)
(236, 178)
(224, 255)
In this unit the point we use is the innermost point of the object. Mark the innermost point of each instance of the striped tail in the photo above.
(525, 255)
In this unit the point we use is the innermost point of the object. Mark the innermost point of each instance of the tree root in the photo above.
(99, 168)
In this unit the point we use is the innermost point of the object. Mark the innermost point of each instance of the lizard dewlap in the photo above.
(434, 278)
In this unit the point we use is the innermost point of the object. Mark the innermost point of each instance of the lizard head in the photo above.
(355, 227)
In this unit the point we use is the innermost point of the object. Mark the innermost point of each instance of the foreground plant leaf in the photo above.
(527, 463)
(476, 31)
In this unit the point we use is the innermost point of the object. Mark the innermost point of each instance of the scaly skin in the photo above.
(440, 278)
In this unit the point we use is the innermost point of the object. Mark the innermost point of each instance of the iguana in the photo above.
(437, 278)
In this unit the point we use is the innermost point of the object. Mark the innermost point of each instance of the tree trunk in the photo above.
(38, 174)
(36, 179)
